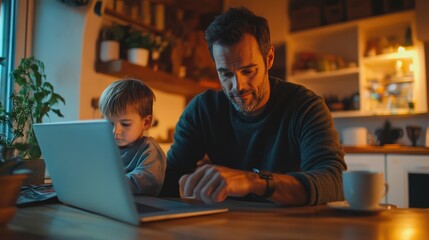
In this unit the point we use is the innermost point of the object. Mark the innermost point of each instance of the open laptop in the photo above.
(84, 164)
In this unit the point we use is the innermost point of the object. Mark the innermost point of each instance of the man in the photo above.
(263, 137)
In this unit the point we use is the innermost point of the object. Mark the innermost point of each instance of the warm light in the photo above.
(398, 66)
(401, 49)
(412, 68)
(408, 233)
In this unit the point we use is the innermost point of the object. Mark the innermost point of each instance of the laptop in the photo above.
(84, 164)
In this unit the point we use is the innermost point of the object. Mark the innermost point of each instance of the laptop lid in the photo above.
(84, 164)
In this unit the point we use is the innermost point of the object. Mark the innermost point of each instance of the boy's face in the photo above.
(129, 127)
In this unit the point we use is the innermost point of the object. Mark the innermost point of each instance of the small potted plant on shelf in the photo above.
(139, 45)
(111, 37)
(33, 100)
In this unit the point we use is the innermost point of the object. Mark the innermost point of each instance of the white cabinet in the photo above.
(379, 58)
(408, 178)
(368, 162)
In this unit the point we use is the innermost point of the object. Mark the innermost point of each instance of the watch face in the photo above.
(263, 174)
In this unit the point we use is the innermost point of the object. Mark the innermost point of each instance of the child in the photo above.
(127, 104)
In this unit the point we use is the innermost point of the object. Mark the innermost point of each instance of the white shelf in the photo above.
(408, 54)
(313, 75)
(373, 113)
(346, 114)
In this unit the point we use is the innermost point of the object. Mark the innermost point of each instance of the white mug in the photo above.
(355, 136)
(363, 190)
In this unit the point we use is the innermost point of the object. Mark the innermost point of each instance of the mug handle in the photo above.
(386, 189)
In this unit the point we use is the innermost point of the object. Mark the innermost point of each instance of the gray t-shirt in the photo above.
(144, 164)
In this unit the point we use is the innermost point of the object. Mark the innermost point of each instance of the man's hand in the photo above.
(211, 183)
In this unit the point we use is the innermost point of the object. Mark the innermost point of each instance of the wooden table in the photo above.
(244, 221)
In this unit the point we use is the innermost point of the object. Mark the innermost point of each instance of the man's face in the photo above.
(243, 74)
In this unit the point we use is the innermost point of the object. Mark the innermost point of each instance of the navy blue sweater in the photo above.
(294, 135)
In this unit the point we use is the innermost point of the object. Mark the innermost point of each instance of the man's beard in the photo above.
(256, 98)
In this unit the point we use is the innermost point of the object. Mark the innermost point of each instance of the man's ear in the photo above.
(147, 122)
(270, 57)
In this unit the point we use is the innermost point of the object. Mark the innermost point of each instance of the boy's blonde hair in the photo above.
(124, 95)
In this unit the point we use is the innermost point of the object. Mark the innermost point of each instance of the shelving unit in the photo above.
(315, 76)
(155, 79)
(158, 79)
(349, 41)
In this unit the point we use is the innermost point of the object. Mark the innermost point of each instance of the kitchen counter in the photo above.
(390, 149)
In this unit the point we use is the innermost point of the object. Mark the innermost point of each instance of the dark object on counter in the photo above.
(387, 134)
(413, 133)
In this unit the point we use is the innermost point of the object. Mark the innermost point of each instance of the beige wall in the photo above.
(65, 40)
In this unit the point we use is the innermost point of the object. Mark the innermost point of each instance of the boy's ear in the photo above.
(147, 122)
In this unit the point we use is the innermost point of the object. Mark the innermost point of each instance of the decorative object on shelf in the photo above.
(139, 45)
(355, 136)
(305, 14)
(310, 61)
(313, 13)
(111, 37)
(160, 17)
(413, 133)
(333, 11)
(34, 100)
(388, 134)
(147, 16)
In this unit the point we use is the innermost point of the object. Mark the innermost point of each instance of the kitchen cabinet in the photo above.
(365, 67)
(408, 178)
(366, 162)
(406, 172)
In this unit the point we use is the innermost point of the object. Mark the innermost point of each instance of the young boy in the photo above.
(127, 104)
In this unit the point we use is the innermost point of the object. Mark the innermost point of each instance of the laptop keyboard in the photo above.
(143, 208)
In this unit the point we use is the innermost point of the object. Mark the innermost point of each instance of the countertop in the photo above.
(389, 149)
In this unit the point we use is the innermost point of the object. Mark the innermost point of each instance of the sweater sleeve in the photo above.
(148, 175)
(322, 156)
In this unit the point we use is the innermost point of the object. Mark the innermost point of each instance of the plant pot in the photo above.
(109, 50)
(139, 56)
(7, 153)
(37, 168)
(10, 186)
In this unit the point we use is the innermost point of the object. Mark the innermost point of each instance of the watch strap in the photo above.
(268, 177)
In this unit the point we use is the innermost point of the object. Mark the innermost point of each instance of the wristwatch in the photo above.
(268, 177)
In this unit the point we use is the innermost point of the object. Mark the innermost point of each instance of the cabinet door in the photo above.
(400, 170)
(366, 162)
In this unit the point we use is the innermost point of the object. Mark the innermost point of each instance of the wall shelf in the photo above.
(382, 58)
(155, 79)
(313, 75)
(352, 41)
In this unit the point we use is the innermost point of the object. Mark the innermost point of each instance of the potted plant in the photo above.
(138, 45)
(111, 36)
(33, 100)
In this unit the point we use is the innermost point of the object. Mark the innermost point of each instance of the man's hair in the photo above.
(124, 95)
(229, 27)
